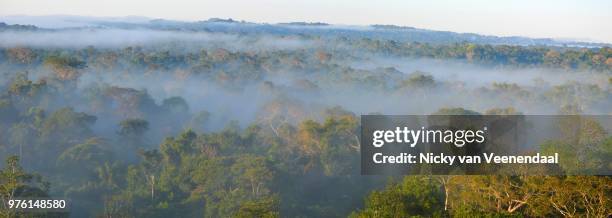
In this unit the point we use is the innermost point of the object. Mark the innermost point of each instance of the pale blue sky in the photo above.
(577, 19)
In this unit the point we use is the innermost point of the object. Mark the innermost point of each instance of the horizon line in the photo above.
(149, 19)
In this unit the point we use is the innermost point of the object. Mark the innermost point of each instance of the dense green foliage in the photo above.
(187, 131)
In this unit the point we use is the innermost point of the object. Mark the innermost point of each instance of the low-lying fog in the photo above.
(455, 83)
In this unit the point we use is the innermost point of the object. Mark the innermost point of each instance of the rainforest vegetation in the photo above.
(162, 121)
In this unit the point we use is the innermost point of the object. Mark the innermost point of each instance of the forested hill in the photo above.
(317, 29)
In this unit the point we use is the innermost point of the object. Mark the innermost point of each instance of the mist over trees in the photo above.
(231, 119)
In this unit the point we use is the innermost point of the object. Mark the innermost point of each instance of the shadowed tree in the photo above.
(133, 130)
(15, 182)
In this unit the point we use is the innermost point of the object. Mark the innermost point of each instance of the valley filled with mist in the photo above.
(224, 118)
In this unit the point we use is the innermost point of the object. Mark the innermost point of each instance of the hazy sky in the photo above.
(576, 19)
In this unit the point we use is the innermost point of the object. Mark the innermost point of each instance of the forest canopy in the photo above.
(222, 118)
